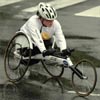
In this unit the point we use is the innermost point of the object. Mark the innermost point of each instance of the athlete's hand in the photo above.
(67, 52)
(48, 52)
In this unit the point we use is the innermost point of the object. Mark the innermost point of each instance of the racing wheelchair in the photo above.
(84, 75)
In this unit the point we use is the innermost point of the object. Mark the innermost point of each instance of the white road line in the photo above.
(93, 12)
(57, 4)
(92, 94)
(6, 2)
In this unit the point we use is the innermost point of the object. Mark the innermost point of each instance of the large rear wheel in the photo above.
(15, 65)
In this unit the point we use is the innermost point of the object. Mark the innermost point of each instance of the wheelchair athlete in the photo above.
(41, 27)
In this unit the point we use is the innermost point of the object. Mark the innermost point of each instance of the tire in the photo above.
(15, 67)
(84, 87)
(52, 68)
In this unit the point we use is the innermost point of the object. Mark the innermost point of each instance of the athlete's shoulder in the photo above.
(33, 18)
(34, 21)
(57, 23)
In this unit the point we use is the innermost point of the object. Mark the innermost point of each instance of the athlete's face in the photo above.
(47, 23)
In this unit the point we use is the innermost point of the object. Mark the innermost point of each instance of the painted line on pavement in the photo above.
(7, 2)
(57, 4)
(92, 94)
(93, 12)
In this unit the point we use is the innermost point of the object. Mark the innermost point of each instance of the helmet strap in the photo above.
(42, 22)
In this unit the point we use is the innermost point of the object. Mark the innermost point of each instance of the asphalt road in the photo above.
(83, 33)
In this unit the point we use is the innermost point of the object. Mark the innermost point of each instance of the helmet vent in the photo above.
(47, 6)
(48, 13)
(52, 16)
(51, 11)
(43, 9)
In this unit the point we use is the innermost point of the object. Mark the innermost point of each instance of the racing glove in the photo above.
(67, 52)
(48, 52)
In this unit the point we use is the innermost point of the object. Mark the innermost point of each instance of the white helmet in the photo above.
(46, 11)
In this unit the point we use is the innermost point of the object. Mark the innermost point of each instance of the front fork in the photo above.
(75, 70)
(78, 72)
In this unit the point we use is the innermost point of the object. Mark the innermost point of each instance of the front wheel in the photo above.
(85, 86)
